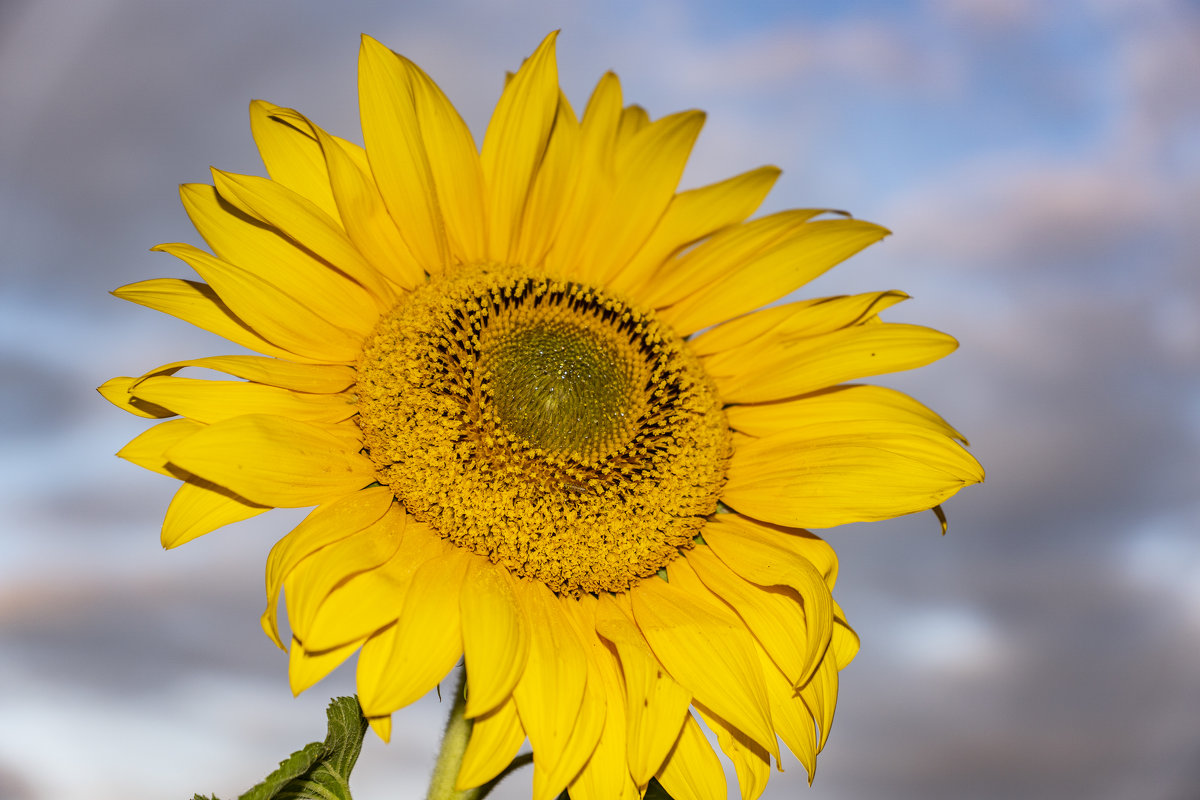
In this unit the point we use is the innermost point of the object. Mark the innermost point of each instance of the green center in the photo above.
(560, 387)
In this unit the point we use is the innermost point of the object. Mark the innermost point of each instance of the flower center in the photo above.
(561, 386)
(557, 431)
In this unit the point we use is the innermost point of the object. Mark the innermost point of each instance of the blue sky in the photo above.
(1039, 164)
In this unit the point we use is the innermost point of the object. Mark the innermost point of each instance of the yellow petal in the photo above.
(602, 120)
(373, 663)
(291, 155)
(369, 600)
(820, 698)
(314, 378)
(515, 142)
(312, 582)
(303, 222)
(197, 304)
(382, 725)
(692, 770)
(729, 531)
(816, 362)
(269, 310)
(633, 119)
(709, 260)
(495, 636)
(246, 242)
(776, 616)
(750, 761)
(276, 461)
(835, 473)
(606, 775)
(844, 643)
(744, 286)
(550, 692)
(455, 166)
(550, 777)
(848, 403)
(117, 391)
(366, 218)
(555, 770)
(706, 648)
(791, 717)
(427, 638)
(363, 214)
(770, 327)
(550, 200)
(215, 401)
(305, 669)
(495, 739)
(592, 178)
(655, 705)
(396, 150)
(756, 558)
(691, 216)
(325, 525)
(148, 450)
(199, 508)
(648, 171)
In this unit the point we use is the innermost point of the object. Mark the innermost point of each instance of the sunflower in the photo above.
(549, 425)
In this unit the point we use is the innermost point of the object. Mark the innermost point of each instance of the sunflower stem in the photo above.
(454, 746)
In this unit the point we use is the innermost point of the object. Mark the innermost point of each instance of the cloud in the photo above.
(988, 16)
(1159, 63)
(1110, 198)
(1028, 213)
(167, 673)
(35, 397)
(760, 61)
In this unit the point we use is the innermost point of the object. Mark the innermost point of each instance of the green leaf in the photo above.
(343, 741)
(320, 770)
(292, 770)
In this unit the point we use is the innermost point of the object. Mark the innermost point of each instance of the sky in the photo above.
(1039, 165)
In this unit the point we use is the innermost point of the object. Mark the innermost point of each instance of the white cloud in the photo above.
(1027, 212)
(858, 49)
(988, 15)
(949, 641)
(32, 74)
(1162, 561)
(1160, 77)
(1078, 212)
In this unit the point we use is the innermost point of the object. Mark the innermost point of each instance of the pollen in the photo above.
(557, 430)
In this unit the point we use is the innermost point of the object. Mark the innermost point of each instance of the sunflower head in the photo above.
(551, 420)
(560, 433)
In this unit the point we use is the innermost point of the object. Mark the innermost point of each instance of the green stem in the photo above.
(454, 745)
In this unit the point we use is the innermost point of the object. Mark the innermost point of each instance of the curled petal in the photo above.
(496, 736)
(840, 472)
(275, 461)
(495, 635)
(325, 525)
(655, 704)
(706, 648)
(550, 692)
(692, 770)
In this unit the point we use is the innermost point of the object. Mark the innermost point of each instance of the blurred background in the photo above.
(1040, 166)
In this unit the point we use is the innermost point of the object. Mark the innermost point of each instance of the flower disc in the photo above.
(555, 429)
